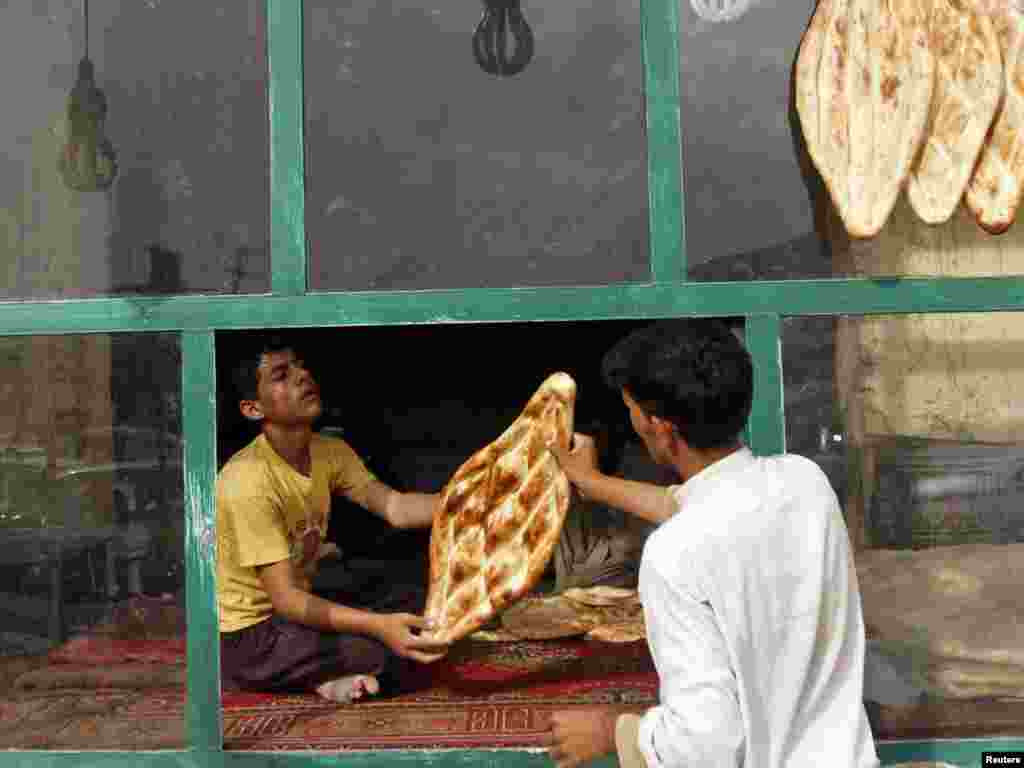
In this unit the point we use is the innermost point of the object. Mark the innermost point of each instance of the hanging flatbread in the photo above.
(602, 595)
(500, 516)
(994, 192)
(968, 87)
(864, 82)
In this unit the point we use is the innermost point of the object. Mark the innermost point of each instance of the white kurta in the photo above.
(754, 621)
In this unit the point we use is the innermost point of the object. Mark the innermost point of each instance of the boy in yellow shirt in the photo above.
(273, 504)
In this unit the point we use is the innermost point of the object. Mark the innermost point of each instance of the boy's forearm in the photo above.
(310, 610)
(650, 502)
(413, 510)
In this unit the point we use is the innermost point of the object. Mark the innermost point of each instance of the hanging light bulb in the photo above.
(87, 161)
(503, 41)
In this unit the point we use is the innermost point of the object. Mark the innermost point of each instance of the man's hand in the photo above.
(576, 737)
(328, 549)
(580, 461)
(395, 630)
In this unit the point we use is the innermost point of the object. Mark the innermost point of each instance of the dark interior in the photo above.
(417, 401)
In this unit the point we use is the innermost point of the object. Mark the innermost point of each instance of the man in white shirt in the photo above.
(750, 595)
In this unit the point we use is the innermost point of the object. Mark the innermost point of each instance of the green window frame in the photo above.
(197, 318)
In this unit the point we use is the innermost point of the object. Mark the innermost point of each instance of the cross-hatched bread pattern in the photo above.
(500, 515)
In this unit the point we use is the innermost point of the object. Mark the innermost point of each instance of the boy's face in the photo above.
(286, 392)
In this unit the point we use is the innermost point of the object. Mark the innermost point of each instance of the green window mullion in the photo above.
(199, 419)
(660, 45)
(965, 753)
(853, 296)
(287, 168)
(767, 427)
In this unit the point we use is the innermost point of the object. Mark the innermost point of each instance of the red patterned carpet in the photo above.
(482, 695)
(102, 693)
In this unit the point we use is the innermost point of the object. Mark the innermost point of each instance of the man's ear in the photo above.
(661, 426)
(665, 429)
(251, 410)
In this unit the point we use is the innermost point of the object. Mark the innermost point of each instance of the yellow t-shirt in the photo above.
(268, 512)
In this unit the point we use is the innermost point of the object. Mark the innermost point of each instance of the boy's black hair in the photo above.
(693, 373)
(244, 374)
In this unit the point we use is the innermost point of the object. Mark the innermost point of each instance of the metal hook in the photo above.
(490, 41)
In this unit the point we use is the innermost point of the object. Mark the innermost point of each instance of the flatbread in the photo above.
(602, 595)
(973, 680)
(500, 515)
(947, 604)
(968, 87)
(493, 636)
(546, 618)
(626, 632)
(994, 192)
(864, 82)
(618, 614)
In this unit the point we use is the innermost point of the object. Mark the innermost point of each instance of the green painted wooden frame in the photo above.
(764, 304)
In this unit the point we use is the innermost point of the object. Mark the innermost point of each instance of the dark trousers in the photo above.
(280, 655)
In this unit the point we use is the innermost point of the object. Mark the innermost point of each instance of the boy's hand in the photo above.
(580, 460)
(395, 630)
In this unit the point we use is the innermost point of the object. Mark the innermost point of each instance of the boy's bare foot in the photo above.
(350, 688)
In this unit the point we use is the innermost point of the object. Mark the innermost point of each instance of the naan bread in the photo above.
(947, 604)
(969, 85)
(864, 82)
(500, 516)
(601, 595)
(994, 192)
(623, 613)
(626, 632)
(545, 618)
(493, 636)
(974, 680)
(954, 612)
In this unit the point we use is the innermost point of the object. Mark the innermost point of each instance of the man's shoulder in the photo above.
(799, 463)
(790, 468)
(807, 470)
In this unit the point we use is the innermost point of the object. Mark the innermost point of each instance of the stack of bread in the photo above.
(925, 96)
(954, 612)
(607, 614)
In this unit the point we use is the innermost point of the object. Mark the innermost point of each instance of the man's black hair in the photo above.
(694, 373)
